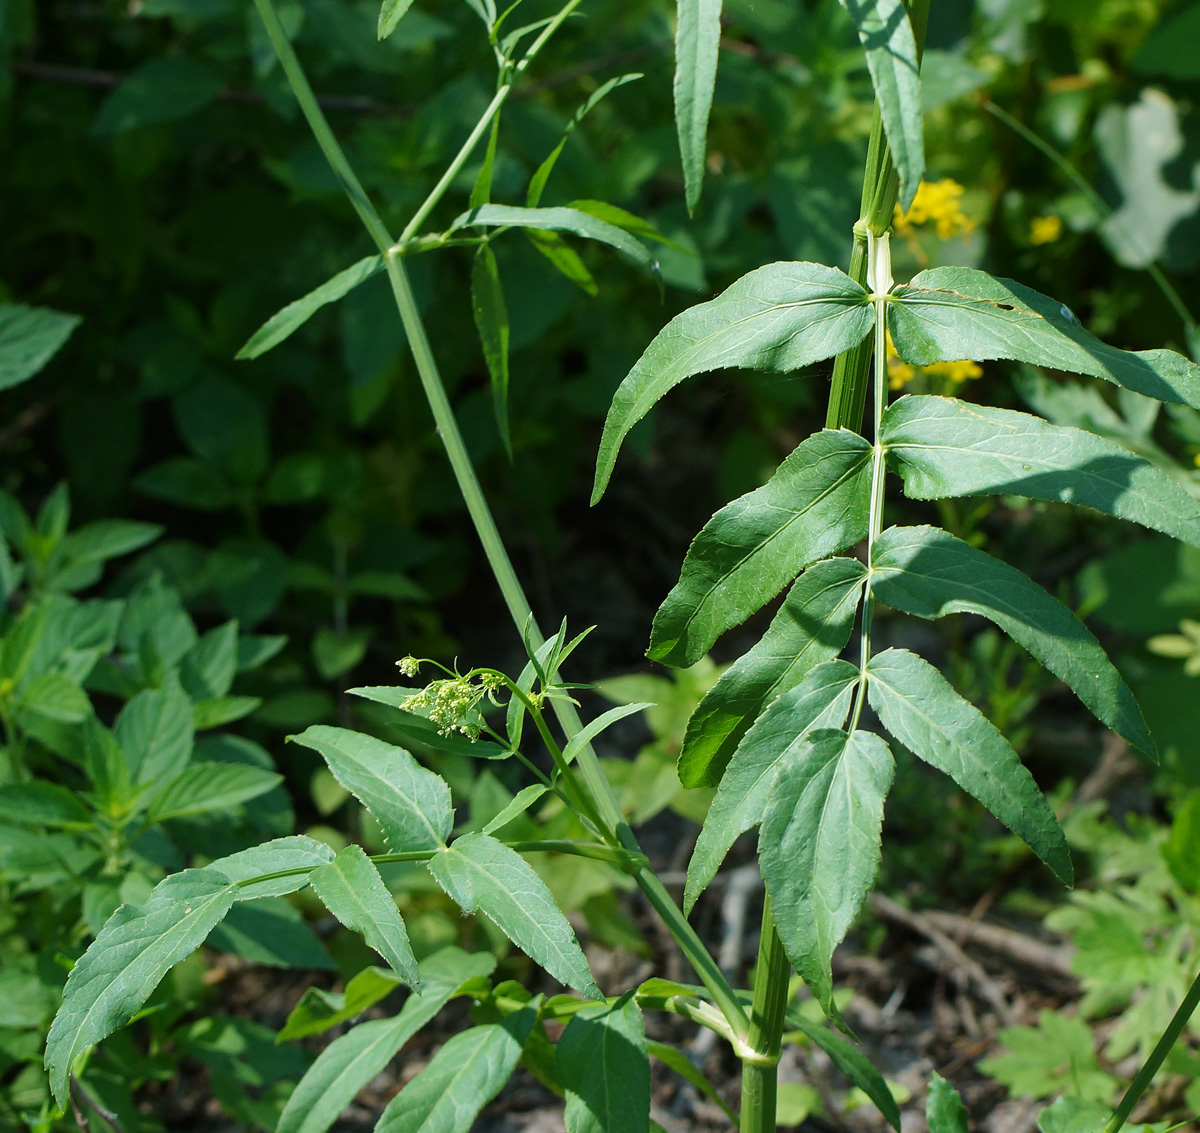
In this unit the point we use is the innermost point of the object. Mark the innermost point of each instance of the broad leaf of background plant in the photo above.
(919, 707)
(819, 844)
(287, 321)
(29, 338)
(602, 1061)
(412, 805)
(946, 447)
(886, 33)
(820, 700)
(156, 734)
(348, 1063)
(697, 41)
(390, 14)
(558, 220)
(949, 313)
(353, 891)
(778, 317)
(133, 951)
(944, 1109)
(466, 1073)
(491, 320)
(930, 573)
(814, 505)
(812, 626)
(1059, 1053)
(481, 874)
(207, 786)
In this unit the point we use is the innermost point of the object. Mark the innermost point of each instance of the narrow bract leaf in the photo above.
(522, 801)
(820, 700)
(353, 891)
(412, 805)
(778, 317)
(296, 852)
(697, 41)
(348, 1063)
(287, 321)
(946, 447)
(930, 573)
(124, 964)
(565, 259)
(685, 1068)
(390, 15)
(466, 1073)
(819, 845)
(814, 505)
(594, 727)
(920, 708)
(603, 1064)
(557, 220)
(482, 874)
(887, 36)
(491, 320)
(949, 313)
(812, 626)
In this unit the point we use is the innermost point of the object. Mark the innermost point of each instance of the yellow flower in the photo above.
(936, 202)
(1045, 229)
(900, 373)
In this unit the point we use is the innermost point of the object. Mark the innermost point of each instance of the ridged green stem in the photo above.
(616, 828)
(760, 1075)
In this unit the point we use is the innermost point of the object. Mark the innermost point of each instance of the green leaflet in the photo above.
(820, 700)
(412, 805)
(944, 1109)
(557, 220)
(949, 313)
(29, 338)
(778, 317)
(919, 707)
(602, 1061)
(284, 323)
(930, 573)
(697, 39)
(491, 320)
(353, 891)
(468, 1071)
(819, 845)
(482, 874)
(390, 14)
(318, 1009)
(814, 505)
(813, 625)
(123, 965)
(348, 1063)
(295, 852)
(946, 447)
(892, 58)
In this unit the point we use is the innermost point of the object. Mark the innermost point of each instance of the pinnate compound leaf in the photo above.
(124, 964)
(944, 1109)
(557, 220)
(930, 573)
(481, 874)
(892, 58)
(946, 447)
(819, 845)
(353, 891)
(697, 41)
(919, 707)
(852, 1062)
(284, 323)
(814, 505)
(412, 805)
(348, 1063)
(602, 1060)
(295, 852)
(29, 338)
(491, 320)
(820, 700)
(390, 15)
(778, 317)
(468, 1071)
(812, 626)
(949, 313)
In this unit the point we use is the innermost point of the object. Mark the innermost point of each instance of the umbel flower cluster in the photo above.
(451, 703)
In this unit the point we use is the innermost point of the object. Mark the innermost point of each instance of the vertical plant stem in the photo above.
(760, 1075)
(1157, 1056)
(468, 483)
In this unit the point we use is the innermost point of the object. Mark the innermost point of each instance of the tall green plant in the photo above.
(782, 733)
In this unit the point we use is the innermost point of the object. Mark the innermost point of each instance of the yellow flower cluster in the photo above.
(936, 202)
(1045, 229)
(900, 373)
